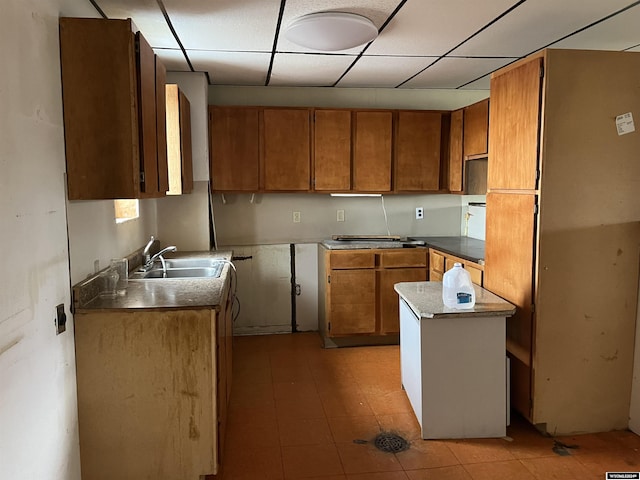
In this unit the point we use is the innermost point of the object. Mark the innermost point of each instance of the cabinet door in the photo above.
(476, 128)
(97, 59)
(234, 148)
(388, 298)
(161, 126)
(179, 142)
(352, 302)
(287, 154)
(515, 94)
(455, 152)
(146, 68)
(372, 152)
(417, 151)
(508, 272)
(332, 150)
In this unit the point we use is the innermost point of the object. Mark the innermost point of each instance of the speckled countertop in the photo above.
(468, 248)
(152, 294)
(425, 299)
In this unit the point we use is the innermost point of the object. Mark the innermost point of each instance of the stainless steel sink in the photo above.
(192, 262)
(213, 270)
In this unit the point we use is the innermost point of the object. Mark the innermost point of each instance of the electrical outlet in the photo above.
(419, 213)
(340, 216)
(296, 217)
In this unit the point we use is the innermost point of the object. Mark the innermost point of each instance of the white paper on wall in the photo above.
(624, 123)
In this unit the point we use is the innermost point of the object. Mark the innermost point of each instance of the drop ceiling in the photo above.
(422, 44)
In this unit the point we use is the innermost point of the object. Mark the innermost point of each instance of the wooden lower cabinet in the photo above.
(440, 262)
(152, 389)
(356, 289)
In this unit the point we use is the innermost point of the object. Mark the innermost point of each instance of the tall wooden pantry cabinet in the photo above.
(563, 233)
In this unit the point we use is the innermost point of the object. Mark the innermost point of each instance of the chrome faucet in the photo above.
(149, 263)
(147, 251)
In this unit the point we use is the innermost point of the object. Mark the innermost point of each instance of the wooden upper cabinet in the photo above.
(476, 129)
(286, 149)
(513, 140)
(110, 117)
(372, 151)
(332, 150)
(234, 148)
(179, 141)
(456, 161)
(417, 151)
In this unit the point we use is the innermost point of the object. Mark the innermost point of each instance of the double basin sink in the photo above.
(188, 267)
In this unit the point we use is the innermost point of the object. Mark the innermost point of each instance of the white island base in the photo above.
(453, 362)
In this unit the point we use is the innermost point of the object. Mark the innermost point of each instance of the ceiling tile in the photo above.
(230, 25)
(173, 59)
(231, 68)
(535, 24)
(375, 10)
(146, 15)
(617, 33)
(634, 49)
(380, 71)
(434, 28)
(307, 69)
(483, 83)
(454, 72)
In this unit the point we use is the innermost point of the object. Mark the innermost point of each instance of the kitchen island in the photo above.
(453, 362)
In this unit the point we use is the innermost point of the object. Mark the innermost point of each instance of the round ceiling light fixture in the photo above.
(331, 31)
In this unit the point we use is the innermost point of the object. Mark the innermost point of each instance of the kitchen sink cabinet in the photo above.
(286, 149)
(562, 234)
(357, 292)
(332, 150)
(440, 262)
(234, 146)
(372, 154)
(418, 151)
(112, 111)
(147, 393)
(179, 153)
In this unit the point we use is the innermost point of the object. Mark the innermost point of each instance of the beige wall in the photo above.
(38, 413)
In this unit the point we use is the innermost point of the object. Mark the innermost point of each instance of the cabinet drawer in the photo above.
(351, 259)
(475, 273)
(435, 276)
(404, 258)
(436, 261)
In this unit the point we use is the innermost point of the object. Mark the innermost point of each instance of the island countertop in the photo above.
(154, 294)
(425, 300)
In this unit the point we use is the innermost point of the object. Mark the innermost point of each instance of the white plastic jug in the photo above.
(457, 289)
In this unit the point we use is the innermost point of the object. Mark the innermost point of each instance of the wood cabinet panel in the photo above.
(388, 298)
(332, 150)
(372, 151)
(509, 256)
(286, 150)
(476, 128)
(403, 258)
(345, 259)
(234, 146)
(456, 161)
(417, 150)
(353, 302)
(440, 262)
(436, 261)
(145, 60)
(101, 118)
(147, 378)
(179, 153)
(161, 125)
(514, 144)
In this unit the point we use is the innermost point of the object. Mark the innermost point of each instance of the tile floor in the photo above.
(300, 411)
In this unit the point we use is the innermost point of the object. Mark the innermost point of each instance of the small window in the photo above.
(126, 210)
